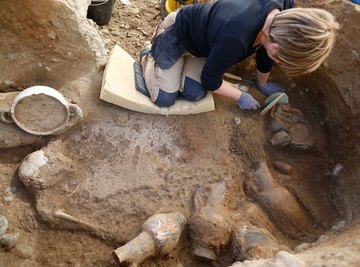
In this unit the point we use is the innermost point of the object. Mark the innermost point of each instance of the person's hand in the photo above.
(270, 88)
(247, 102)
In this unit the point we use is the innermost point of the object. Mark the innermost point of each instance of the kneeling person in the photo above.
(194, 46)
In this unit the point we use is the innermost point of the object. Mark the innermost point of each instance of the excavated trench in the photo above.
(118, 167)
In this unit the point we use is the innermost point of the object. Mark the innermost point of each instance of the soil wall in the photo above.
(46, 42)
(337, 82)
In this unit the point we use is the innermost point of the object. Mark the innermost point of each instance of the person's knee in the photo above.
(165, 99)
(193, 90)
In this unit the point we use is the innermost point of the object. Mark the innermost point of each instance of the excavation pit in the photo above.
(120, 167)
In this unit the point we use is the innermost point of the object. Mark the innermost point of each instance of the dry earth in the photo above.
(127, 166)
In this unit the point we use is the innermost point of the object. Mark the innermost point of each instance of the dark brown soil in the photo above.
(130, 166)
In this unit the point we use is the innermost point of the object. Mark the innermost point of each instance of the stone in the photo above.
(9, 197)
(286, 259)
(339, 225)
(11, 84)
(302, 247)
(30, 167)
(44, 168)
(12, 136)
(204, 253)
(254, 263)
(322, 238)
(3, 225)
(337, 169)
(8, 241)
(237, 120)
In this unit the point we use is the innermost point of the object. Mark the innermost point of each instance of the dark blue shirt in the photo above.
(224, 32)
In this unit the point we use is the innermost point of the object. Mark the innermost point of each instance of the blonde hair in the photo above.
(305, 37)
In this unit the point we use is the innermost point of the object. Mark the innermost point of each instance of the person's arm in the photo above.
(215, 66)
(264, 65)
(243, 99)
(226, 89)
(262, 78)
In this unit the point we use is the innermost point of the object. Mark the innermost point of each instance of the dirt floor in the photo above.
(127, 166)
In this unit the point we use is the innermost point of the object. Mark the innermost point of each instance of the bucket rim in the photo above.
(99, 2)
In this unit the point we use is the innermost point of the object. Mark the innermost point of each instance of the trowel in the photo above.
(238, 78)
(272, 100)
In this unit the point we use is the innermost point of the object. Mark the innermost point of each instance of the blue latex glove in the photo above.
(247, 102)
(270, 88)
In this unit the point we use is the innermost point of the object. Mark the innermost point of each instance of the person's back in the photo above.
(224, 32)
(225, 22)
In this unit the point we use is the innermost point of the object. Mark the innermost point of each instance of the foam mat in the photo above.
(118, 87)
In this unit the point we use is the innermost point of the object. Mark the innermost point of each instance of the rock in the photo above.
(44, 168)
(8, 241)
(322, 239)
(11, 84)
(254, 263)
(9, 197)
(237, 120)
(339, 226)
(204, 253)
(302, 247)
(31, 166)
(3, 225)
(337, 169)
(104, 31)
(10, 189)
(52, 35)
(135, 10)
(286, 259)
(12, 136)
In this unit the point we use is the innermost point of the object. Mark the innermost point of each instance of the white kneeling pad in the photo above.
(118, 87)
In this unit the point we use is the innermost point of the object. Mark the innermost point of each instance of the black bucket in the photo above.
(100, 11)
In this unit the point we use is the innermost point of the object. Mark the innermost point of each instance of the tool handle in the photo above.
(232, 76)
